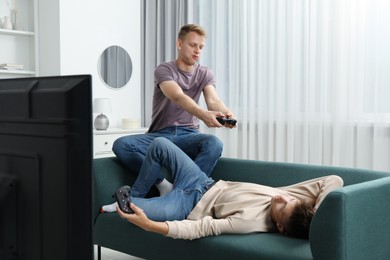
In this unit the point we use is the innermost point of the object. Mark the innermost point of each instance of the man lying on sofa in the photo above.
(198, 206)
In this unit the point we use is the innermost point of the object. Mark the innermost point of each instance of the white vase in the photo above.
(15, 20)
(6, 23)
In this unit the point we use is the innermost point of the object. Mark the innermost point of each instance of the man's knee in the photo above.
(124, 145)
(160, 143)
(118, 145)
(214, 143)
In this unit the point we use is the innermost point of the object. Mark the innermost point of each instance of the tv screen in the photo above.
(45, 168)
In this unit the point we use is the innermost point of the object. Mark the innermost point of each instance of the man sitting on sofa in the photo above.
(198, 206)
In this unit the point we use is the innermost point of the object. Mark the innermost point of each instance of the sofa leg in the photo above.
(99, 252)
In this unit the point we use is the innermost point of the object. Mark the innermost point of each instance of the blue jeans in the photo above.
(189, 182)
(203, 149)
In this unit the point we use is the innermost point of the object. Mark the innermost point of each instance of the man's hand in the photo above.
(210, 118)
(230, 115)
(173, 91)
(140, 219)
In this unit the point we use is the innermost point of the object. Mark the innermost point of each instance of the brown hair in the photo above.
(186, 29)
(298, 225)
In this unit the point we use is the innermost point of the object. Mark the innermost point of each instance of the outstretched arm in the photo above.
(315, 190)
(173, 91)
(140, 219)
(214, 103)
(194, 229)
(327, 185)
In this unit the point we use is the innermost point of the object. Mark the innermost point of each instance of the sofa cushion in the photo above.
(110, 229)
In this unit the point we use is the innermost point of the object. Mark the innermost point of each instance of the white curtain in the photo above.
(161, 21)
(309, 81)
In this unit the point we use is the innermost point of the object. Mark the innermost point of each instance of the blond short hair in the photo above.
(186, 29)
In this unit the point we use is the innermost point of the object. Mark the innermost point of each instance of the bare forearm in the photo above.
(218, 105)
(140, 219)
(214, 103)
(172, 91)
(157, 227)
(189, 105)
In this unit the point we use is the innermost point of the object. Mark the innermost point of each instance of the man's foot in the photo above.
(164, 187)
(109, 208)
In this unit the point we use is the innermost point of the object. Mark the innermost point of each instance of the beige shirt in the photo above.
(241, 208)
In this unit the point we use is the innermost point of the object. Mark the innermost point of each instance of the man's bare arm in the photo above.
(140, 219)
(214, 103)
(173, 91)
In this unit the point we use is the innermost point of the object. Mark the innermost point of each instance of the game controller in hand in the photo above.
(122, 196)
(223, 120)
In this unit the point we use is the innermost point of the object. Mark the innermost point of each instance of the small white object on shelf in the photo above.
(131, 123)
(6, 23)
(10, 66)
(15, 20)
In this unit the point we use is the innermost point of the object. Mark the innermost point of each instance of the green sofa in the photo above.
(353, 222)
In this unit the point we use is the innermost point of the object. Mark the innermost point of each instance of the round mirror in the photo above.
(115, 67)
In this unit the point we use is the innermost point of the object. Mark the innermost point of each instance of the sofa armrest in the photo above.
(353, 222)
(108, 175)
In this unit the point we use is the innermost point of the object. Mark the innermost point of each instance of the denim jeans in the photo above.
(189, 182)
(203, 149)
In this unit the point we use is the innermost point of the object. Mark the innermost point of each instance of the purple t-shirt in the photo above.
(165, 112)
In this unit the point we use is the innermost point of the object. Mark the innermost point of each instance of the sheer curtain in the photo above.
(309, 81)
(161, 21)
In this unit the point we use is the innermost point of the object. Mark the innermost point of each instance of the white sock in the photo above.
(164, 187)
(109, 208)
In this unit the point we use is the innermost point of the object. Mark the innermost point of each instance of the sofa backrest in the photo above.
(278, 174)
(352, 222)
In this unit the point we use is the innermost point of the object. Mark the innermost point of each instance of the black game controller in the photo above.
(223, 120)
(122, 196)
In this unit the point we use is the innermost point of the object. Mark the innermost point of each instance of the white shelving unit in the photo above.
(20, 46)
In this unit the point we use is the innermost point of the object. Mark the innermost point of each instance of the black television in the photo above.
(45, 168)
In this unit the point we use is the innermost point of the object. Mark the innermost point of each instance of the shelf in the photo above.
(15, 32)
(20, 72)
(121, 131)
